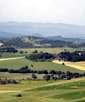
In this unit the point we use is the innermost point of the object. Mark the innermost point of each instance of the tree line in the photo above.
(41, 56)
(47, 75)
(72, 56)
(65, 55)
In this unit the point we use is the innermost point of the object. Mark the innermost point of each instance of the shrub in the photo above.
(34, 76)
(19, 95)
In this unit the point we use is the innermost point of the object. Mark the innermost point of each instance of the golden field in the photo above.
(77, 65)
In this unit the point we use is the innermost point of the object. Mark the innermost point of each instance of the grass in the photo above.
(32, 91)
(17, 63)
(71, 95)
(53, 93)
(10, 55)
(24, 85)
(50, 50)
(78, 65)
(63, 92)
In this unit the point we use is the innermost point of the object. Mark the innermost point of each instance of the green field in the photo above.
(10, 55)
(40, 90)
(17, 63)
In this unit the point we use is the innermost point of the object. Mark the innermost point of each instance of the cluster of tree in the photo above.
(66, 55)
(21, 70)
(57, 75)
(41, 56)
(59, 43)
(72, 56)
(8, 49)
(8, 81)
(23, 52)
(53, 74)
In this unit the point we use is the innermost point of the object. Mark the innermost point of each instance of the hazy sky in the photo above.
(54, 11)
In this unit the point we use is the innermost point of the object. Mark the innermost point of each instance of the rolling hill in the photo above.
(33, 41)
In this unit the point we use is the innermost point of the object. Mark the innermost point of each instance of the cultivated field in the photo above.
(77, 65)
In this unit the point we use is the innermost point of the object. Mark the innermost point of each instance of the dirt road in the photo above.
(10, 91)
(13, 58)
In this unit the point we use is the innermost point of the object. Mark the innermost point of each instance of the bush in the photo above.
(46, 77)
(36, 51)
(19, 95)
(21, 52)
(34, 76)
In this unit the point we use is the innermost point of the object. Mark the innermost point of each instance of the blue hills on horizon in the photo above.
(14, 29)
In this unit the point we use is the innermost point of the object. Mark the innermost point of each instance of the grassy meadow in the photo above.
(17, 63)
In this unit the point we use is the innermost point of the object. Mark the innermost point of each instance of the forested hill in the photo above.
(33, 41)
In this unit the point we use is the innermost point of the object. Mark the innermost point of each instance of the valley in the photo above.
(42, 50)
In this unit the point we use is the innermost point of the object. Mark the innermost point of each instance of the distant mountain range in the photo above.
(14, 29)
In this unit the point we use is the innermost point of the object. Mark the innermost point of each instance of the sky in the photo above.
(45, 11)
